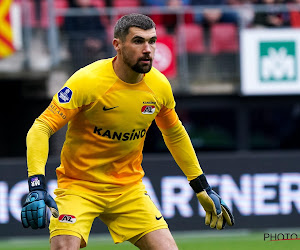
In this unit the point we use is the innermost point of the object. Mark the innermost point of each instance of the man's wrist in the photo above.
(36, 182)
(199, 184)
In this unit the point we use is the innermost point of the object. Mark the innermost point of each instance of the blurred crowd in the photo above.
(210, 20)
(242, 10)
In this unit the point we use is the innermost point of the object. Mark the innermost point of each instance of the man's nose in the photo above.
(147, 48)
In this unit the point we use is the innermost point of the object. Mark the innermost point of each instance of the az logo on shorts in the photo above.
(67, 218)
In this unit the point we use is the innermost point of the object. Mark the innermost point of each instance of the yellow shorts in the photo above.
(128, 216)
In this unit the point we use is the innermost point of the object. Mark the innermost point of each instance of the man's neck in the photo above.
(125, 73)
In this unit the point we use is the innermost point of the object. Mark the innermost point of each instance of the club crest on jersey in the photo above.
(67, 218)
(64, 96)
(148, 110)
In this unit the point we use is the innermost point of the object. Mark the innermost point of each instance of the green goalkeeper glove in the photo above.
(217, 212)
(34, 210)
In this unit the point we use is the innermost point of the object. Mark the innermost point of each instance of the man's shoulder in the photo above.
(155, 74)
(161, 86)
(98, 68)
(90, 82)
(157, 80)
(94, 75)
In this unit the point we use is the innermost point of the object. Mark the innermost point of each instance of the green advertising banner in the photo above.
(270, 61)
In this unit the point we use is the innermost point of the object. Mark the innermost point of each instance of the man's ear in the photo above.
(116, 43)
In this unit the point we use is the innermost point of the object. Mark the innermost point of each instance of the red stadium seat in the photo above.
(160, 18)
(194, 37)
(132, 6)
(126, 3)
(224, 38)
(98, 3)
(157, 19)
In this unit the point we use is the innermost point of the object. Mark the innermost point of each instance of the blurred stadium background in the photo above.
(234, 69)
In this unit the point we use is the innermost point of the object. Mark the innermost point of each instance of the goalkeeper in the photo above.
(109, 106)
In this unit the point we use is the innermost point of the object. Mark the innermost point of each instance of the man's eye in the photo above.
(152, 41)
(138, 41)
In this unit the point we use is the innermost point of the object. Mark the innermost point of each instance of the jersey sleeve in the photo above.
(169, 101)
(37, 142)
(76, 92)
(56, 116)
(70, 99)
(167, 97)
(178, 142)
(166, 118)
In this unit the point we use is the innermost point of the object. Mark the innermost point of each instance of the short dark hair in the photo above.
(122, 26)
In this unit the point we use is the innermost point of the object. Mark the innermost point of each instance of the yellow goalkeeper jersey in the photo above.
(107, 124)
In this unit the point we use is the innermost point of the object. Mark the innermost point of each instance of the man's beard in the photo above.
(138, 67)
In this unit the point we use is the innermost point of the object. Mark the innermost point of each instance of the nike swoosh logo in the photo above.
(158, 218)
(105, 109)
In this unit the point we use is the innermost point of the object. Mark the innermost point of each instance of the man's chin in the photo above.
(142, 69)
(147, 69)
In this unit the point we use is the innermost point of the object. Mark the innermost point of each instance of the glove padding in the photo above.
(34, 210)
(217, 212)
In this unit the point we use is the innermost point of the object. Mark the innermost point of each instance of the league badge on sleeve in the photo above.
(65, 95)
(148, 110)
